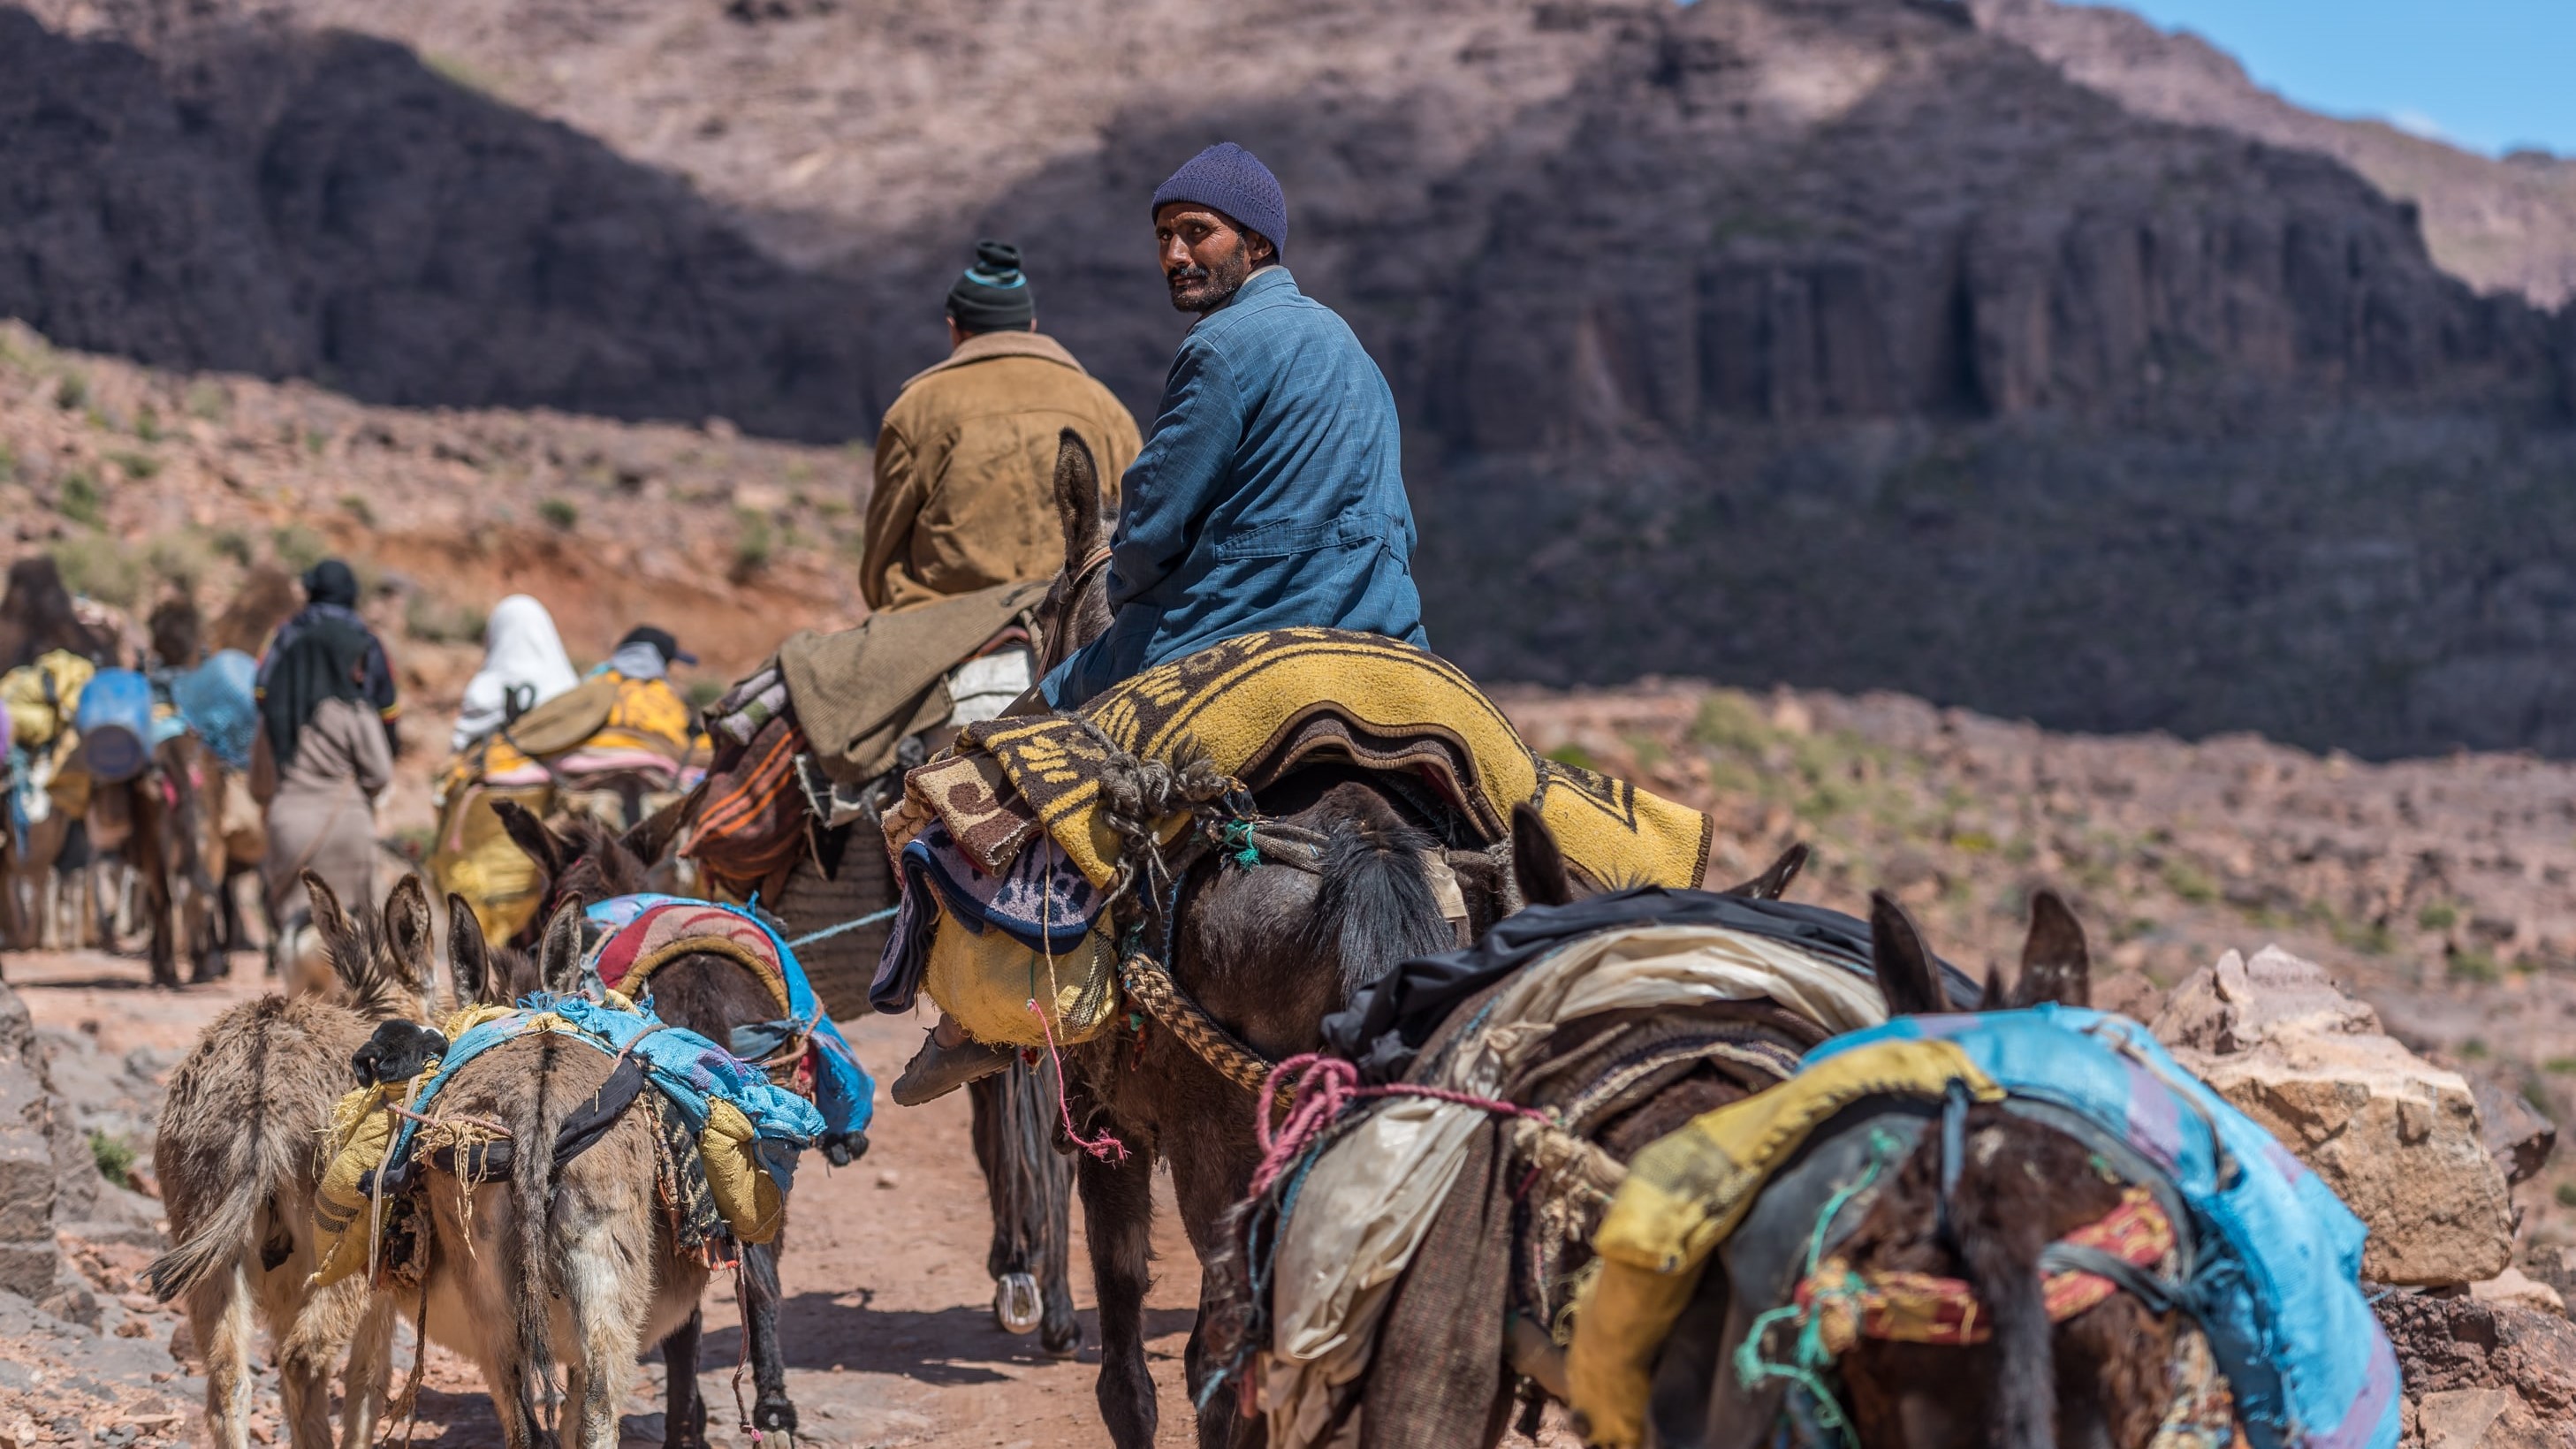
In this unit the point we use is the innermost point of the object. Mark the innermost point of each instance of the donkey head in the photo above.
(1539, 869)
(1076, 609)
(1984, 1216)
(583, 860)
(383, 966)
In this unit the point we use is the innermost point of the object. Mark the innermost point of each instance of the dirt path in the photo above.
(889, 1335)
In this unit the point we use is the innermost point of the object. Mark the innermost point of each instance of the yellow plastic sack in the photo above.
(743, 1189)
(986, 982)
(43, 698)
(362, 1132)
(476, 858)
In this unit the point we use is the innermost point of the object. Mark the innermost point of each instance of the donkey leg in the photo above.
(219, 1315)
(311, 1327)
(684, 1409)
(1118, 1217)
(1059, 1331)
(369, 1377)
(761, 1294)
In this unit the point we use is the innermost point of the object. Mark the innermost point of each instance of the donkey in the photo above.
(1266, 953)
(240, 1155)
(2103, 1377)
(572, 1262)
(583, 862)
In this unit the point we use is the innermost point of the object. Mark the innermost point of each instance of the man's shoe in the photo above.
(935, 1070)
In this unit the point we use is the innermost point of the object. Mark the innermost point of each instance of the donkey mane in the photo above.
(1374, 905)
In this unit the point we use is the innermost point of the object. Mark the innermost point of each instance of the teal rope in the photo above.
(1810, 1359)
(1236, 836)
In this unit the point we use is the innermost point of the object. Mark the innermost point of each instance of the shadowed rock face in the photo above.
(1840, 342)
(327, 206)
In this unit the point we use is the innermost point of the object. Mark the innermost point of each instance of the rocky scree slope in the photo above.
(1844, 342)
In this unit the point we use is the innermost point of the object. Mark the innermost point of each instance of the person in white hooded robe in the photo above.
(522, 656)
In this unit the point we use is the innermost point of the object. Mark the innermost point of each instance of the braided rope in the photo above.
(1152, 987)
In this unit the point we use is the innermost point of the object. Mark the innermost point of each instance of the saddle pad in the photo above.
(1262, 705)
(2277, 1286)
(627, 956)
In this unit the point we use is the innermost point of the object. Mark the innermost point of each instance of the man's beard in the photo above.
(1204, 289)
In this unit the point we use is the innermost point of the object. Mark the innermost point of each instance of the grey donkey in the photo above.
(571, 1262)
(240, 1155)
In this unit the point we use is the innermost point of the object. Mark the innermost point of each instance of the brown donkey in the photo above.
(570, 1262)
(2105, 1378)
(240, 1154)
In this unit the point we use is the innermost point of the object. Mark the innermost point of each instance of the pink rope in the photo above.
(1106, 1147)
(1319, 1089)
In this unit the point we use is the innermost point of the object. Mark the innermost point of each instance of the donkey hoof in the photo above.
(774, 1414)
(1064, 1344)
(1016, 1304)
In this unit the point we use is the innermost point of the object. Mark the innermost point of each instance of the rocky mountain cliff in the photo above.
(1842, 342)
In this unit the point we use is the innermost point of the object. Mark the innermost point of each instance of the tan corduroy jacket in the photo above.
(965, 469)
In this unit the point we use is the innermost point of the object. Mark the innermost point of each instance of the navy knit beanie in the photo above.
(993, 295)
(1235, 182)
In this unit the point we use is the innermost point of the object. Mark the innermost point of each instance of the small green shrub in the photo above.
(179, 559)
(137, 466)
(2563, 1066)
(2566, 1194)
(1575, 755)
(147, 424)
(233, 544)
(2190, 882)
(357, 507)
(298, 548)
(1730, 721)
(754, 542)
(115, 1156)
(8, 463)
(209, 401)
(2439, 916)
(100, 567)
(2474, 1049)
(2476, 967)
(559, 513)
(71, 392)
(80, 501)
(433, 620)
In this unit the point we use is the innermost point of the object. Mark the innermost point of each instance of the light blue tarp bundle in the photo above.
(2277, 1285)
(842, 1087)
(686, 1068)
(216, 699)
(115, 724)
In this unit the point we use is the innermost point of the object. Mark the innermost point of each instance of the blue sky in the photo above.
(2488, 75)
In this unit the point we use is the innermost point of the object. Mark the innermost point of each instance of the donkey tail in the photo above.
(2000, 1244)
(214, 1241)
(532, 1191)
(252, 1162)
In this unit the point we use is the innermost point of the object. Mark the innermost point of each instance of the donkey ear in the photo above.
(651, 838)
(1907, 979)
(1993, 997)
(469, 956)
(339, 939)
(1077, 498)
(543, 846)
(2055, 963)
(559, 958)
(407, 927)
(1538, 865)
(1772, 884)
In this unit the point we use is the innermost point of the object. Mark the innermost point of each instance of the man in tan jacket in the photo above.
(965, 462)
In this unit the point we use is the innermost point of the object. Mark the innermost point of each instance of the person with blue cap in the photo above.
(1270, 492)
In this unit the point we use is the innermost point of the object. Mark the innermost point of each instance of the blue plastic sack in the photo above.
(217, 700)
(115, 724)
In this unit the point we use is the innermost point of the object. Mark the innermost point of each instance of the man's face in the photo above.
(1205, 256)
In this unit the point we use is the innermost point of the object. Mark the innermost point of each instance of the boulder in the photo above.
(2455, 1341)
(2238, 1004)
(29, 1260)
(2521, 1290)
(2398, 1139)
(2517, 1136)
(2484, 1419)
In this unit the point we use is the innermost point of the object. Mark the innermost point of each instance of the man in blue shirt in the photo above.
(1271, 492)
(1270, 495)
